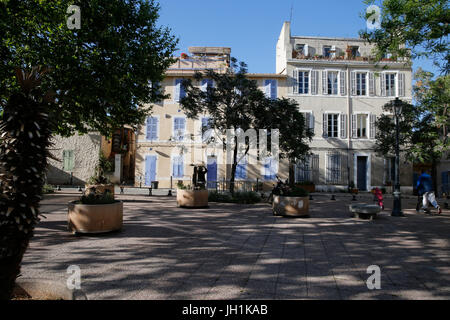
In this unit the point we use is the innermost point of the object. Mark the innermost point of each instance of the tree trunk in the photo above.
(233, 166)
(291, 174)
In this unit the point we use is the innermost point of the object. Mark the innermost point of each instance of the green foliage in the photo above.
(238, 197)
(285, 190)
(423, 26)
(236, 102)
(305, 183)
(95, 198)
(103, 166)
(47, 189)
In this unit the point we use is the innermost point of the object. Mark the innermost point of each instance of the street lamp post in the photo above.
(397, 208)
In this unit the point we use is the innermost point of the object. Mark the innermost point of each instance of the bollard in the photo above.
(333, 197)
(310, 197)
(354, 197)
(58, 188)
(79, 189)
(169, 193)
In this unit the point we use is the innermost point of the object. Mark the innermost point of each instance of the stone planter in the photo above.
(290, 206)
(192, 198)
(95, 218)
(46, 290)
(101, 187)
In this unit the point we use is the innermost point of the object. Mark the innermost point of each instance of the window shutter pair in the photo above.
(179, 128)
(343, 79)
(152, 128)
(178, 168)
(270, 88)
(68, 159)
(314, 82)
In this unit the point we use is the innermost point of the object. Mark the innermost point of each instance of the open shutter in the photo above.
(274, 89)
(343, 79)
(401, 84)
(354, 131)
(325, 125)
(324, 83)
(371, 84)
(314, 82)
(177, 91)
(383, 84)
(373, 119)
(267, 88)
(294, 84)
(306, 50)
(343, 126)
(311, 121)
(353, 81)
(71, 160)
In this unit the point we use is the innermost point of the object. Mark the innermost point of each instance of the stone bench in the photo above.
(364, 210)
(133, 187)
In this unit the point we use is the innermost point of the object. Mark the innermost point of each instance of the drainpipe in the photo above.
(349, 123)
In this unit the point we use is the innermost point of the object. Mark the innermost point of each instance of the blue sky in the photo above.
(251, 28)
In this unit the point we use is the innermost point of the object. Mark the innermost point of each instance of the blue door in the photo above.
(150, 170)
(211, 175)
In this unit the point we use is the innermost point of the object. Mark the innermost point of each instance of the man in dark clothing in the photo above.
(201, 176)
(425, 189)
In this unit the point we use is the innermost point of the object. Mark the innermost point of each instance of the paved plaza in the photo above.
(232, 251)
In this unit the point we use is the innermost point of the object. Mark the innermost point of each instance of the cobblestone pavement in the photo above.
(234, 251)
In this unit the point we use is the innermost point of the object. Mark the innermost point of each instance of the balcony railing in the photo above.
(199, 64)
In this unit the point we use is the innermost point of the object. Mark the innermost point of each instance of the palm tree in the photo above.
(25, 132)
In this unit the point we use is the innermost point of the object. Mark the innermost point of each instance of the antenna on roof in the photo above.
(292, 10)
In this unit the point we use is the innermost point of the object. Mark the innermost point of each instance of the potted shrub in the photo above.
(290, 201)
(99, 181)
(95, 212)
(188, 197)
(307, 185)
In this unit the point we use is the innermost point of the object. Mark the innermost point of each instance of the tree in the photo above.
(235, 102)
(56, 80)
(423, 127)
(422, 26)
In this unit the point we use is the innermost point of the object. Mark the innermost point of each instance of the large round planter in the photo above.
(39, 289)
(290, 206)
(100, 188)
(192, 198)
(95, 218)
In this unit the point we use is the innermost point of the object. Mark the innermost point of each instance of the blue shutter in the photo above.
(178, 168)
(273, 89)
(150, 170)
(212, 173)
(241, 170)
(177, 90)
(269, 169)
(179, 126)
(152, 128)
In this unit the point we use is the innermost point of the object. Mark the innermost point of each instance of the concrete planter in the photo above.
(47, 290)
(101, 187)
(192, 198)
(95, 218)
(290, 206)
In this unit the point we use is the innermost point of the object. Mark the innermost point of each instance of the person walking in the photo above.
(425, 189)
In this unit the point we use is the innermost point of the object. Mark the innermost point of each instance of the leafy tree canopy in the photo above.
(99, 74)
(412, 28)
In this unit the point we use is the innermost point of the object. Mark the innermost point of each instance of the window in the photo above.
(303, 82)
(327, 51)
(152, 129)
(333, 125)
(332, 80)
(241, 169)
(206, 129)
(389, 170)
(303, 170)
(270, 88)
(334, 168)
(270, 169)
(390, 84)
(309, 120)
(361, 126)
(207, 83)
(180, 93)
(179, 126)
(68, 160)
(177, 167)
(361, 83)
